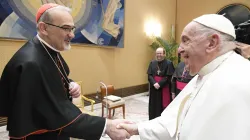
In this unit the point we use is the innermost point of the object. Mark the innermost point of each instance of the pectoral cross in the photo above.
(158, 72)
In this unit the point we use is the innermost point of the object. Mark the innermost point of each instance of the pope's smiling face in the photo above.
(193, 48)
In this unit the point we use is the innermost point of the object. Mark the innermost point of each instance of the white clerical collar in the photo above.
(46, 43)
(211, 66)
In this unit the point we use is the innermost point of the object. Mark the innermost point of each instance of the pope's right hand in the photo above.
(131, 128)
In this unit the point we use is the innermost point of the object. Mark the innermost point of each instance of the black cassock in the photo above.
(180, 79)
(156, 99)
(36, 102)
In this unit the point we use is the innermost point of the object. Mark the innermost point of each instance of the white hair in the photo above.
(225, 39)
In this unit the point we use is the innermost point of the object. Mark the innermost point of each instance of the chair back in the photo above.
(110, 89)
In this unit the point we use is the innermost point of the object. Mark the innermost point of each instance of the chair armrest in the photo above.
(90, 100)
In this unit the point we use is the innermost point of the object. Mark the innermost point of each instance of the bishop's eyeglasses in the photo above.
(66, 29)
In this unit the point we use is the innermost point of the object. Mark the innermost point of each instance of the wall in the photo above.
(131, 63)
(190, 9)
(123, 67)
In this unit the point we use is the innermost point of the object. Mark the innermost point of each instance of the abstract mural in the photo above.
(99, 22)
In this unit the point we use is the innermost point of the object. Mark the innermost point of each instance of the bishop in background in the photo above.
(159, 73)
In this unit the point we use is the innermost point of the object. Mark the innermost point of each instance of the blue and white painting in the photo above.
(99, 22)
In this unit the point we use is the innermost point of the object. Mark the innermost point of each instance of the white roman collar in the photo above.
(211, 66)
(46, 43)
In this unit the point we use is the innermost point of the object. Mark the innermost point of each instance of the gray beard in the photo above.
(68, 47)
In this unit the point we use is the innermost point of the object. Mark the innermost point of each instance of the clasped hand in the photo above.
(157, 86)
(121, 129)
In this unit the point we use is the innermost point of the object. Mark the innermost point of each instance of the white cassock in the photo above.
(218, 107)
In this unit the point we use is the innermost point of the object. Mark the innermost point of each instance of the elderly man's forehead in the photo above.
(159, 50)
(55, 11)
(191, 28)
(59, 14)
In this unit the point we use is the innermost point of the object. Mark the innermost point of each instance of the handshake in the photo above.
(120, 129)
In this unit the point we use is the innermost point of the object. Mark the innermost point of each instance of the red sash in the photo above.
(166, 99)
(180, 85)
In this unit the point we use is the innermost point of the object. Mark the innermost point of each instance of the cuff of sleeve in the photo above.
(152, 130)
(104, 129)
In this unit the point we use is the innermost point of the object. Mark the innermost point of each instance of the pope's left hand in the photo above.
(74, 90)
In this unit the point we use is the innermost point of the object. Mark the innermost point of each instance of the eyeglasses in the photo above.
(69, 30)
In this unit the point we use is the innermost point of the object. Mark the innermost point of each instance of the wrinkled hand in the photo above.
(245, 49)
(113, 132)
(157, 86)
(131, 128)
(74, 90)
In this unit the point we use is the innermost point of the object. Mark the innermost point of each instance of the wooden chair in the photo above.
(3, 121)
(110, 104)
(79, 102)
